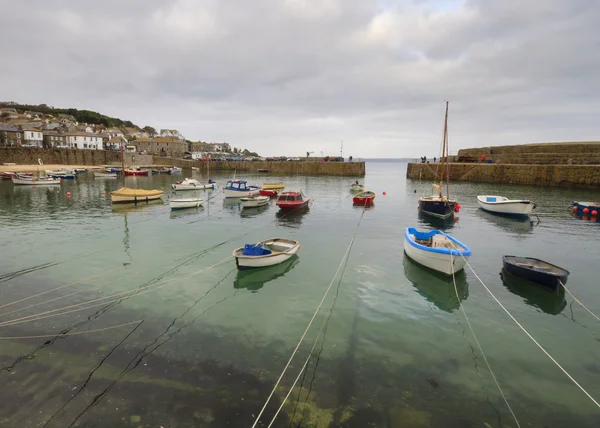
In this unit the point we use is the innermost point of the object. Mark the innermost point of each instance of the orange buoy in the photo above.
(586, 210)
(594, 213)
(68, 194)
(575, 209)
(384, 193)
(457, 207)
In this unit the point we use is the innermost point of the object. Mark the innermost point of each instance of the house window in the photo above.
(85, 145)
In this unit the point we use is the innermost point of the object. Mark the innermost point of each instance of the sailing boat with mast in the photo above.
(127, 194)
(438, 205)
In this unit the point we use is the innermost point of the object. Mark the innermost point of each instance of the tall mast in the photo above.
(447, 157)
(444, 149)
(122, 162)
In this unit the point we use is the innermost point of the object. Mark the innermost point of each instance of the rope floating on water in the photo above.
(478, 344)
(577, 300)
(531, 337)
(70, 334)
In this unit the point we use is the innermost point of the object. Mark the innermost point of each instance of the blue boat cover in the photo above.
(255, 250)
(490, 199)
(423, 236)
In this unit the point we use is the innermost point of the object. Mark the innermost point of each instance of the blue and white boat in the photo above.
(436, 250)
(586, 208)
(239, 189)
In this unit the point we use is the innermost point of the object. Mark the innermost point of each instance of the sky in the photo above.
(283, 77)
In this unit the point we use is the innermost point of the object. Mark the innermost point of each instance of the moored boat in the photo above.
(117, 170)
(160, 171)
(254, 201)
(356, 187)
(192, 184)
(436, 250)
(364, 198)
(236, 188)
(502, 205)
(7, 175)
(269, 193)
(135, 172)
(536, 270)
(36, 181)
(185, 203)
(175, 170)
(126, 194)
(273, 186)
(292, 200)
(263, 170)
(586, 208)
(265, 253)
(98, 174)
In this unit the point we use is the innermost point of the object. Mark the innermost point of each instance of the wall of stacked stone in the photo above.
(30, 156)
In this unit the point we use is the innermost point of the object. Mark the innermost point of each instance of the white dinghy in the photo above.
(255, 201)
(99, 174)
(505, 206)
(436, 250)
(35, 181)
(265, 253)
(177, 204)
(192, 184)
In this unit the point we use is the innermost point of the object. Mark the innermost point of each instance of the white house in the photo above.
(115, 132)
(84, 140)
(171, 133)
(32, 137)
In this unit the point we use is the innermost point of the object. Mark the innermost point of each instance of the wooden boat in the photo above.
(269, 193)
(263, 170)
(80, 170)
(505, 206)
(436, 250)
(239, 188)
(292, 200)
(255, 201)
(586, 208)
(160, 171)
(36, 181)
(536, 270)
(364, 198)
(192, 184)
(126, 194)
(185, 203)
(437, 204)
(98, 174)
(7, 175)
(265, 253)
(273, 186)
(136, 172)
(356, 187)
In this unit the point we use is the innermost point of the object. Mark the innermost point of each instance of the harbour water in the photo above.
(141, 318)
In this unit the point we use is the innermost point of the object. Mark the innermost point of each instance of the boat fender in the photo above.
(457, 207)
(594, 213)
(586, 210)
(575, 208)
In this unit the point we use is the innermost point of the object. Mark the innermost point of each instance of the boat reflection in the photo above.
(510, 224)
(253, 212)
(436, 288)
(548, 301)
(443, 224)
(232, 204)
(186, 212)
(254, 279)
(291, 218)
(127, 208)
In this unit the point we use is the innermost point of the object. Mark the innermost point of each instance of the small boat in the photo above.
(255, 201)
(7, 175)
(78, 170)
(36, 181)
(175, 170)
(586, 208)
(117, 170)
(292, 200)
(536, 270)
(195, 168)
(160, 171)
(263, 170)
(98, 174)
(273, 186)
(269, 193)
(364, 198)
(436, 250)
(62, 176)
(192, 184)
(126, 194)
(356, 187)
(24, 176)
(265, 253)
(185, 203)
(505, 206)
(239, 188)
(135, 172)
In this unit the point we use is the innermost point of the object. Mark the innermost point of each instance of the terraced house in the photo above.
(10, 136)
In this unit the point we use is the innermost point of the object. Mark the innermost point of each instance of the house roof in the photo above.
(8, 128)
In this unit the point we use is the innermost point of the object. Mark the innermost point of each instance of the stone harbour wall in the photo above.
(30, 156)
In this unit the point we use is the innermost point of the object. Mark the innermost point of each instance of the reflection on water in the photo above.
(232, 204)
(437, 288)
(124, 209)
(550, 302)
(443, 224)
(255, 211)
(254, 279)
(183, 212)
(521, 225)
(291, 218)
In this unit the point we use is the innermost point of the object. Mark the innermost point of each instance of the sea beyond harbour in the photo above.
(136, 316)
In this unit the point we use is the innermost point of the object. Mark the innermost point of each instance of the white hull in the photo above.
(192, 187)
(505, 206)
(239, 194)
(105, 175)
(436, 261)
(185, 203)
(259, 201)
(35, 181)
(141, 199)
(247, 262)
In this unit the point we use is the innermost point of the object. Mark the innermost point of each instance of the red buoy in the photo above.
(457, 207)
(586, 210)
(575, 209)
(384, 193)
(68, 194)
(594, 213)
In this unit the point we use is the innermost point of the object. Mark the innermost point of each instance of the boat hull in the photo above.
(547, 279)
(251, 262)
(437, 207)
(273, 186)
(180, 187)
(136, 173)
(131, 196)
(255, 202)
(177, 204)
(509, 208)
(35, 181)
(292, 205)
(579, 208)
(228, 193)
(269, 193)
(105, 175)
(364, 198)
(434, 258)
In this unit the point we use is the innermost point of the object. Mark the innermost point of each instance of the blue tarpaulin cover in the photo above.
(255, 250)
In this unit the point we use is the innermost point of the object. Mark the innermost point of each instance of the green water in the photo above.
(204, 344)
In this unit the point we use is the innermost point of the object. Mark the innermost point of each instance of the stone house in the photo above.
(54, 139)
(10, 136)
(163, 146)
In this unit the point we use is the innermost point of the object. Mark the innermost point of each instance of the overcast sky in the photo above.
(290, 76)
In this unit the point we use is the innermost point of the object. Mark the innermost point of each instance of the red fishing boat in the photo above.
(269, 193)
(364, 198)
(7, 175)
(292, 200)
(136, 172)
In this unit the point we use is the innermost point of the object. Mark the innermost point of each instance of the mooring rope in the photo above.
(477, 341)
(346, 254)
(70, 334)
(530, 336)
(577, 300)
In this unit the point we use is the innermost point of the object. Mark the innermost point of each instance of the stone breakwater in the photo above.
(30, 156)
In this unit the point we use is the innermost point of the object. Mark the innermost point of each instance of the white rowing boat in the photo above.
(185, 203)
(265, 253)
(192, 184)
(98, 174)
(505, 206)
(255, 201)
(38, 181)
(436, 250)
